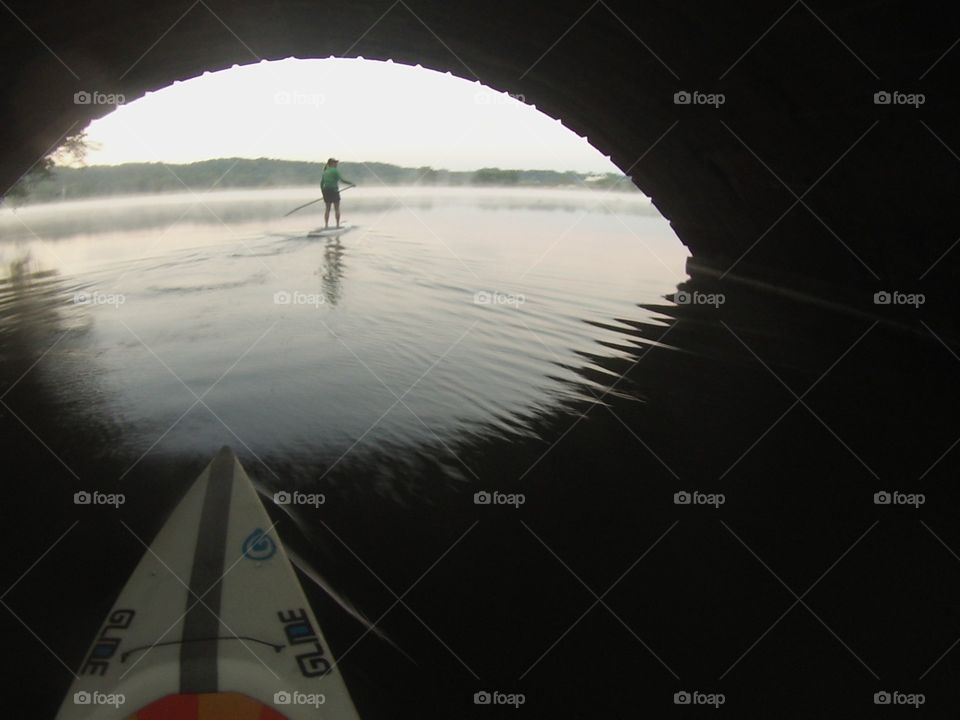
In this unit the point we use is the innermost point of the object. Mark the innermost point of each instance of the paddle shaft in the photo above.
(301, 207)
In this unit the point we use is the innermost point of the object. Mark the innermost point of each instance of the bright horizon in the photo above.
(353, 109)
(349, 161)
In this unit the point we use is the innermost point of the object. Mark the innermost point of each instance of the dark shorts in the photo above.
(330, 196)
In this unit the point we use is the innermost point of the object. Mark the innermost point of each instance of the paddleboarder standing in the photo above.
(330, 188)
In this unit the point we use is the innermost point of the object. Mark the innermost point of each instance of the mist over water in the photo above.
(473, 304)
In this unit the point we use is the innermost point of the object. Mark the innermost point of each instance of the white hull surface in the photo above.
(214, 620)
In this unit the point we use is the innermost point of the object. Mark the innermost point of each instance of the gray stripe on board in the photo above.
(198, 660)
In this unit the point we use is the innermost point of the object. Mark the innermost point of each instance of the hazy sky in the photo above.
(348, 108)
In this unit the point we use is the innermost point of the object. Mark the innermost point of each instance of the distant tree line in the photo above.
(58, 182)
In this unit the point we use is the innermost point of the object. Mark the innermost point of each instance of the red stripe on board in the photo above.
(172, 707)
(210, 706)
(268, 713)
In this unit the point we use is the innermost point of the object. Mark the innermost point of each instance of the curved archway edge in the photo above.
(799, 178)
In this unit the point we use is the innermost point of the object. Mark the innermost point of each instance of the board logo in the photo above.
(299, 631)
(105, 647)
(259, 546)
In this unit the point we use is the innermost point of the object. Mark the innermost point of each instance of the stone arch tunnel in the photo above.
(786, 168)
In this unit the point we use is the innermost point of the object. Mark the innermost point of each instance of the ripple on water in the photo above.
(399, 308)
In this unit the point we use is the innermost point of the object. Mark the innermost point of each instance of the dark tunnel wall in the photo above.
(799, 179)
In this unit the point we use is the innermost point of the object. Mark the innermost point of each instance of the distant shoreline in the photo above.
(130, 179)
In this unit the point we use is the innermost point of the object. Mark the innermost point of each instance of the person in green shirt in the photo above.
(330, 188)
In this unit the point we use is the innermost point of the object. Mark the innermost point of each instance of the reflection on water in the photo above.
(457, 346)
(331, 273)
(299, 344)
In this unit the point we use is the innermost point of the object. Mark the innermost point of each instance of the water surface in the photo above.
(462, 341)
